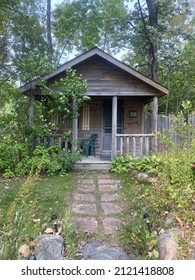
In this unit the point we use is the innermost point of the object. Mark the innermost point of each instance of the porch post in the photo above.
(154, 122)
(31, 114)
(75, 128)
(31, 110)
(114, 126)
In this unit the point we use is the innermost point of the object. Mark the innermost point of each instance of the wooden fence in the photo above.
(176, 129)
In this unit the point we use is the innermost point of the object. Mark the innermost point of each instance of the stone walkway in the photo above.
(96, 203)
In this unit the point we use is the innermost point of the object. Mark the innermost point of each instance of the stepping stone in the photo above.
(111, 225)
(84, 197)
(108, 197)
(86, 188)
(110, 208)
(89, 225)
(85, 181)
(108, 188)
(96, 251)
(106, 181)
(85, 209)
(104, 176)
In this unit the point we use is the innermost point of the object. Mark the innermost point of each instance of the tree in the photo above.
(49, 35)
(83, 24)
(156, 25)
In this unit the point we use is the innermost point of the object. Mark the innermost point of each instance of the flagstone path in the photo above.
(96, 204)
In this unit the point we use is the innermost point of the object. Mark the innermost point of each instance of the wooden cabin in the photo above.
(115, 111)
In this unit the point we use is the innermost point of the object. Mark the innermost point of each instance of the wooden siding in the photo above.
(133, 125)
(95, 125)
(106, 80)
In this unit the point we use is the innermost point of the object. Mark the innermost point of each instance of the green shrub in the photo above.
(177, 178)
(19, 163)
(122, 164)
(149, 164)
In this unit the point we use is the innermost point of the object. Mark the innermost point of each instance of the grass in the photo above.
(26, 209)
(143, 197)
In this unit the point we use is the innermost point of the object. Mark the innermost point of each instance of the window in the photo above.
(56, 120)
(86, 117)
(59, 121)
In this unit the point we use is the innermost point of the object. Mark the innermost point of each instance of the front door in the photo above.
(107, 128)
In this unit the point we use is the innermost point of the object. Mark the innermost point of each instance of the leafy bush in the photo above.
(149, 164)
(19, 163)
(54, 161)
(177, 178)
(124, 164)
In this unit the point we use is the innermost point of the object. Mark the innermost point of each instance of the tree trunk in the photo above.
(150, 34)
(153, 23)
(49, 37)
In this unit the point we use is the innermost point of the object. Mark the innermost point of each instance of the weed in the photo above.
(26, 208)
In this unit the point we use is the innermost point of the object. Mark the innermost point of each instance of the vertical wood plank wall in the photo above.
(95, 123)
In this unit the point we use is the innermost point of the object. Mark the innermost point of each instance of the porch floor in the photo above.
(93, 163)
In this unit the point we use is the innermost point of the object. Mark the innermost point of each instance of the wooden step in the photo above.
(103, 165)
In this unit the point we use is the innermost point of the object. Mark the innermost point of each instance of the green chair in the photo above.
(88, 145)
(84, 146)
(92, 143)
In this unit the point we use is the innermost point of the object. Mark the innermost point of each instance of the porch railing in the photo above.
(59, 140)
(135, 144)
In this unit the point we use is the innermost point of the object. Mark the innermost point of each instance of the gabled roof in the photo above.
(99, 53)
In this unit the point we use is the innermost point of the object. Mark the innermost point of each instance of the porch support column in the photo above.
(114, 126)
(31, 114)
(31, 110)
(154, 122)
(75, 128)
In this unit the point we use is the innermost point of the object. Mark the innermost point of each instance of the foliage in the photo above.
(173, 193)
(70, 95)
(149, 164)
(177, 178)
(142, 243)
(17, 138)
(127, 163)
(28, 206)
(84, 24)
(19, 163)
(141, 197)
(122, 164)
(54, 160)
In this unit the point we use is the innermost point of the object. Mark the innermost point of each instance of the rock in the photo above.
(170, 218)
(49, 247)
(49, 231)
(24, 250)
(96, 251)
(168, 244)
(153, 180)
(142, 176)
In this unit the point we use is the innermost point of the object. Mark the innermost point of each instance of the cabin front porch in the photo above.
(136, 145)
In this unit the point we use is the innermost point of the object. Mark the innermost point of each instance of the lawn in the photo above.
(142, 197)
(26, 209)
